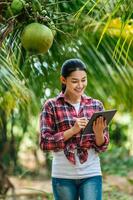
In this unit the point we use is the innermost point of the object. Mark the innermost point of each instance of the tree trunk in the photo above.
(4, 145)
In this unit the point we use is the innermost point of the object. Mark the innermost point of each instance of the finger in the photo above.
(83, 121)
(94, 123)
(82, 124)
(84, 118)
(105, 123)
(100, 120)
(97, 120)
(82, 127)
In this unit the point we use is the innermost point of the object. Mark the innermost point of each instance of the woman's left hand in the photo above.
(98, 127)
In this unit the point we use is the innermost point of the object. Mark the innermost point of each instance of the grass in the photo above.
(117, 161)
(116, 194)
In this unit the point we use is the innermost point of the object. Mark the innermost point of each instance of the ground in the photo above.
(113, 187)
(37, 186)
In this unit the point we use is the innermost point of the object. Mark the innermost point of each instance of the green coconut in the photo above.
(17, 6)
(37, 38)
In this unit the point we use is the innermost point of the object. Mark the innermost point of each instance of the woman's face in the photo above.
(75, 83)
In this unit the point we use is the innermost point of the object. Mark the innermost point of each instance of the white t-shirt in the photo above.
(76, 106)
(63, 168)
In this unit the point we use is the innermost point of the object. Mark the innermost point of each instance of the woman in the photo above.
(76, 171)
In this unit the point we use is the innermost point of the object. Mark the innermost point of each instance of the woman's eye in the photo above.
(84, 80)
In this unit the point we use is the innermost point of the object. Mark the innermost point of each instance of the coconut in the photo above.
(37, 38)
(17, 6)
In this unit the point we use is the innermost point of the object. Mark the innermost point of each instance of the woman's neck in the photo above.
(72, 98)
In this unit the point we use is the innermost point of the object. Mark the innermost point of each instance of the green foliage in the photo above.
(118, 134)
(117, 161)
(119, 157)
(114, 194)
(81, 31)
(49, 162)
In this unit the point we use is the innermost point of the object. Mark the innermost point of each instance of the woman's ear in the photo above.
(63, 80)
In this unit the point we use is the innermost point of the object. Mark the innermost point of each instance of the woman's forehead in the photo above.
(78, 73)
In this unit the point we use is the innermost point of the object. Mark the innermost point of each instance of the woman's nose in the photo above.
(80, 84)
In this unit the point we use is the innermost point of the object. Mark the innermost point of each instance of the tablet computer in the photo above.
(107, 114)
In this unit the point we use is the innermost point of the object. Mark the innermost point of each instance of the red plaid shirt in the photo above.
(58, 116)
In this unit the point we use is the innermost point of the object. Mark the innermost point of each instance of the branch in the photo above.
(8, 30)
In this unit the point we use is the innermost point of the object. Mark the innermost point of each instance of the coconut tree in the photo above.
(96, 18)
(23, 71)
(99, 32)
(14, 95)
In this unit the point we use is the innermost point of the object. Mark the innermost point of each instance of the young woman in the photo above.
(76, 171)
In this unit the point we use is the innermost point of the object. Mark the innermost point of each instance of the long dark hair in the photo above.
(70, 66)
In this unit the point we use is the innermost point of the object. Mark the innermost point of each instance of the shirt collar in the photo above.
(84, 98)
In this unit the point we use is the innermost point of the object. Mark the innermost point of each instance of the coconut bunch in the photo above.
(37, 28)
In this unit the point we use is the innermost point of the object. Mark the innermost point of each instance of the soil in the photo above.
(30, 186)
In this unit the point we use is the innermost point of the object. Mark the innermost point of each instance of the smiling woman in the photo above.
(69, 68)
(74, 85)
(76, 171)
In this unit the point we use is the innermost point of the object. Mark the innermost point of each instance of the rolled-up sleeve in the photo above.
(104, 146)
(49, 138)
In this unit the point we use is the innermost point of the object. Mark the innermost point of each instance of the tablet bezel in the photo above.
(107, 114)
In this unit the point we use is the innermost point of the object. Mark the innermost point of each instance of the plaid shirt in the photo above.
(58, 116)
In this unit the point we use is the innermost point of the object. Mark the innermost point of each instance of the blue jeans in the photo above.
(75, 189)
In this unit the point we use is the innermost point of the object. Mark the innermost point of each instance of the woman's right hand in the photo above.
(80, 123)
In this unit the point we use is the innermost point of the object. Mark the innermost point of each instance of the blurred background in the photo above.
(100, 32)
